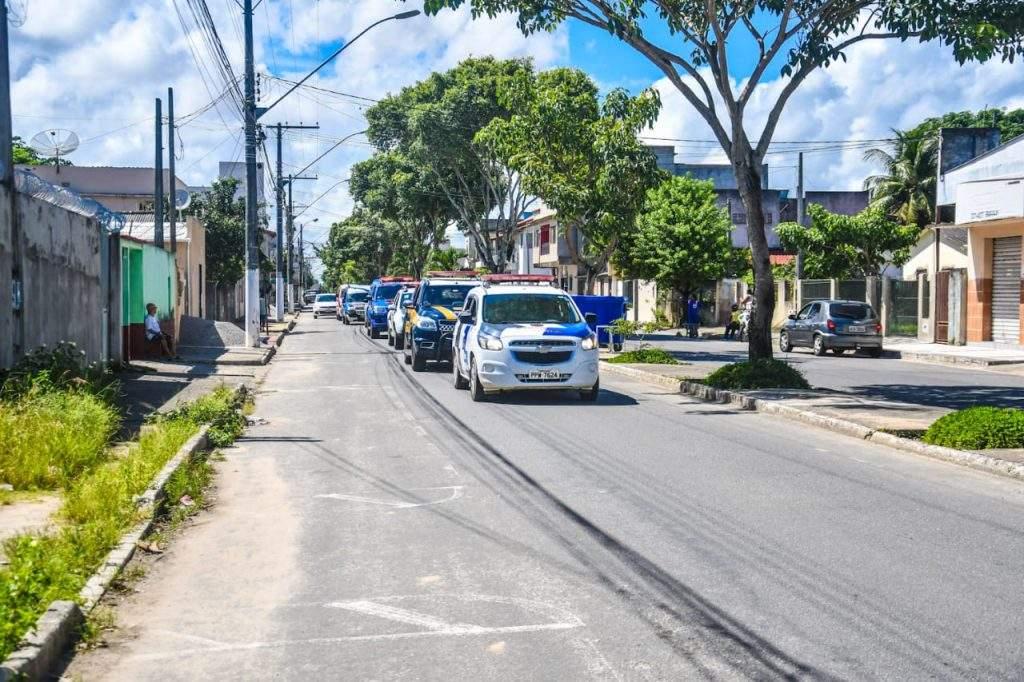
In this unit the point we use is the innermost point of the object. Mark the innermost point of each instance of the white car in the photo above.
(518, 332)
(396, 318)
(324, 304)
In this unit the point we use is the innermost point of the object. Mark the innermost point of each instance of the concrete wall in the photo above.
(1006, 161)
(6, 262)
(62, 294)
(720, 174)
(191, 261)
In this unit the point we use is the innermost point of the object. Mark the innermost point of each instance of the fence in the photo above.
(901, 308)
(815, 290)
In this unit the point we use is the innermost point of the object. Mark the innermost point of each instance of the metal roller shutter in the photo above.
(1006, 289)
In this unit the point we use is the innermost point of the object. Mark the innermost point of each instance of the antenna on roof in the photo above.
(54, 143)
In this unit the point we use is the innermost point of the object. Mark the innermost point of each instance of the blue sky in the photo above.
(95, 66)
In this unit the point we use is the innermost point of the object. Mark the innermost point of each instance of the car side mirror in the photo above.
(410, 306)
(391, 306)
(792, 316)
(466, 318)
(591, 319)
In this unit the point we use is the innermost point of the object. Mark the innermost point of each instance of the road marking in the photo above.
(456, 493)
(404, 616)
(380, 607)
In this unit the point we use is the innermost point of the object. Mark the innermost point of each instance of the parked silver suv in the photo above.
(838, 326)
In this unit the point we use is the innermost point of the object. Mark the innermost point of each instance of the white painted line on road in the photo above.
(404, 616)
(456, 493)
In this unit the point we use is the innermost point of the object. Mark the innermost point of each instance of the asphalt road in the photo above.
(382, 526)
(877, 378)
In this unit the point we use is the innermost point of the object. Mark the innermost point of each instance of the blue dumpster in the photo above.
(608, 309)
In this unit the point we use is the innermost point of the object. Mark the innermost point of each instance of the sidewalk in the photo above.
(976, 355)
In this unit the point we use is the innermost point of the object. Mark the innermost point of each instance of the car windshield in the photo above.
(404, 298)
(356, 296)
(529, 309)
(851, 311)
(387, 291)
(447, 295)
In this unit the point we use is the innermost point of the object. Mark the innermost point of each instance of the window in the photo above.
(851, 311)
(326, 297)
(739, 218)
(805, 313)
(529, 309)
(768, 218)
(926, 296)
(356, 295)
(545, 240)
(446, 295)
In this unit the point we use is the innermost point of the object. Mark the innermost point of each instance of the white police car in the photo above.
(518, 332)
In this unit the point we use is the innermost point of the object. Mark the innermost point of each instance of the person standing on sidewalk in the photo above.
(692, 316)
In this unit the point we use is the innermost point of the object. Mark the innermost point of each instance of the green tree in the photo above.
(445, 259)
(1010, 123)
(358, 248)
(580, 155)
(694, 44)
(906, 189)
(843, 246)
(682, 238)
(224, 218)
(434, 125)
(22, 153)
(396, 189)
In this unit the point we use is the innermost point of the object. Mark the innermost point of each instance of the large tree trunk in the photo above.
(748, 178)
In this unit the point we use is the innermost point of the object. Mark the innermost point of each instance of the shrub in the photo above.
(648, 356)
(62, 367)
(51, 436)
(221, 409)
(757, 374)
(979, 428)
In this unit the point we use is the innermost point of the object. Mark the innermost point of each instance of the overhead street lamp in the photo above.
(252, 115)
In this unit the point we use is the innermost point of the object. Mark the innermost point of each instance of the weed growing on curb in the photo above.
(101, 620)
(647, 356)
(757, 374)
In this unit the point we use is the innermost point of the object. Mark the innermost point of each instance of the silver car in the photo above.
(838, 326)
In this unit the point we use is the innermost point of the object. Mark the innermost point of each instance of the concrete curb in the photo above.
(649, 377)
(58, 628)
(973, 460)
(955, 360)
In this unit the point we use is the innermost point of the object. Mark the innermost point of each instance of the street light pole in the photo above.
(252, 115)
(252, 259)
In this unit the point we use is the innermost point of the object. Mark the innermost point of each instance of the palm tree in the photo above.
(906, 190)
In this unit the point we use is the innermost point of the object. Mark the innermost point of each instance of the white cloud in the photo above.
(883, 85)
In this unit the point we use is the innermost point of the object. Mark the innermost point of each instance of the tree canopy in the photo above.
(581, 155)
(359, 248)
(683, 238)
(224, 218)
(434, 125)
(906, 190)
(841, 246)
(690, 42)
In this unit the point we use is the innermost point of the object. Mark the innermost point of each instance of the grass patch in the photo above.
(757, 374)
(646, 356)
(51, 436)
(99, 506)
(911, 434)
(978, 428)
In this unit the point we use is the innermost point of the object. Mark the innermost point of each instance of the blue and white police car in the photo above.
(519, 332)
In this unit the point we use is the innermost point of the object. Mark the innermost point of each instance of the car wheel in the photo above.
(784, 344)
(418, 363)
(408, 356)
(819, 345)
(391, 339)
(399, 341)
(344, 319)
(590, 395)
(838, 351)
(617, 347)
(458, 380)
(476, 389)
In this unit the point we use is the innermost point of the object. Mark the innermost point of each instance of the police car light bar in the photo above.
(517, 279)
(398, 278)
(452, 273)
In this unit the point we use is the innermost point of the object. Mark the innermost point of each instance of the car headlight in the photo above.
(489, 342)
(589, 343)
(427, 323)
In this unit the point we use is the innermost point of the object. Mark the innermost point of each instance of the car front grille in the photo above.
(446, 327)
(537, 358)
(542, 342)
(525, 378)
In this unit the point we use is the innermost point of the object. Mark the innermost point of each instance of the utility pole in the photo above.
(279, 284)
(172, 194)
(291, 233)
(6, 129)
(252, 253)
(801, 216)
(158, 172)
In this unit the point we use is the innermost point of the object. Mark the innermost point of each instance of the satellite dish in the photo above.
(182, 199)
(54, 143)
